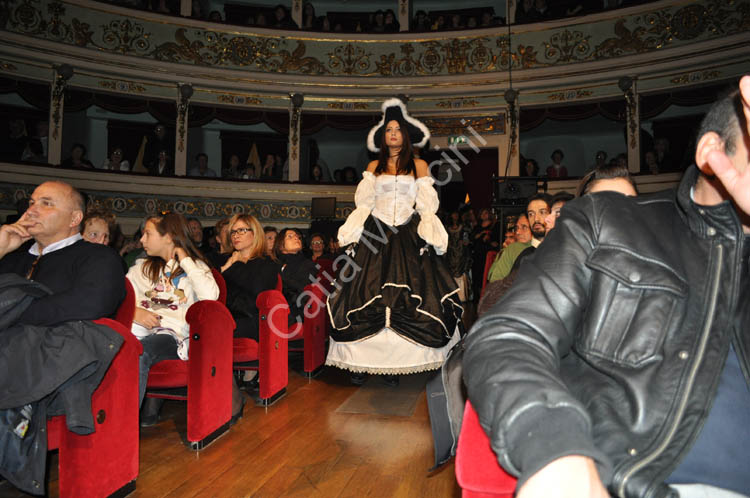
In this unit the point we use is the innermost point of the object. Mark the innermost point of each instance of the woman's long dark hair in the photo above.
(405, 160)
(176, 226)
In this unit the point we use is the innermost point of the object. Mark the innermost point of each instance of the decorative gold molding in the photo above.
(348, 106)
(122, 86)
(695, 77)
(445, 127)
(238, 99)
(570, 95)
(458, 103)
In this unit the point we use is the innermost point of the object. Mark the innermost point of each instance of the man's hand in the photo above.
(567, 477)
(147, 318)
(11, 237)
(736, 182)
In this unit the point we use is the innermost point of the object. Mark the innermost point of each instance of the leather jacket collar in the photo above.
(706, 221)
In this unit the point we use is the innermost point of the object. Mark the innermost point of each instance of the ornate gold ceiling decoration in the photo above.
(457, 104)
(695, 77)
(633, 34)
(122, 86)
(348, 106)
(445, 127)
(570, 95)
(238, 99)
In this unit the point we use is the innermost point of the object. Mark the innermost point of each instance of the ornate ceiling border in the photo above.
(635, 31)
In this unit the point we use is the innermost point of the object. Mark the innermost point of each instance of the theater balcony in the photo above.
(104, 75)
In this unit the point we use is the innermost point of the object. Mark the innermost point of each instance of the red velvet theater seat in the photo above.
(487, 264)
(477, 470)
(207, 374)
(269, 355)
(312, 332)
(126, 311)
(105, 462)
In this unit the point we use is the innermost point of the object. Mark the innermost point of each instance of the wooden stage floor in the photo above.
(300, 447)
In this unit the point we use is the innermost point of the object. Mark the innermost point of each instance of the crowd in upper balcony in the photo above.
(381, 21)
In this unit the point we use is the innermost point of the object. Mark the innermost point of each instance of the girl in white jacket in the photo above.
(173, 276)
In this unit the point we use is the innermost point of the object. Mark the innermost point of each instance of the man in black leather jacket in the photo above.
(599, 370)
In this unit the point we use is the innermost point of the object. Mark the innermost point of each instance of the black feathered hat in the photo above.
(394, 109)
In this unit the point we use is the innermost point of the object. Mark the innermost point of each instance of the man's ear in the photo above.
(708, 142)
(76, 218)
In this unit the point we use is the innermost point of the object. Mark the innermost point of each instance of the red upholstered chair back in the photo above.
(126, 311)
(279, 284)
(222, 285)
(326, 273)
(477, 470)
(487, 264)
(104, 463)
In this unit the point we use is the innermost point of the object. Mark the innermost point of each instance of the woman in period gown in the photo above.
(396, 308)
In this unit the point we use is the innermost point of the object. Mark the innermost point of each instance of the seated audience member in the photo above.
(215, 16)
(196, 235)
(390, 24)
(115, 161)
(77, 158)
(525, 12)
(295, 269)
(378, 22)
(53, 357)
(132, 249)
(260, 19)
(334, 249)
(233, 169)
(269, 234)
(41, 134)
(318, 247)
(45, 245)
(663, 156)
(158, 141)
(600, 159)
(316, 174)
(556, 169)
(309, 21)
(97, 226)
(350, 175)
(439, 24)
(612, 178)
(537, 210)
(531, 168)
(471, 22)
(219, 255)
(268, 171)
(510, 231)
(556, 204)
(247, 273)
(487, 20)
(455, 22)
(282, 18)
(623, 372)
(201, 168)
(34, 151)
(12, 147)
(167, 282)
(164, 166)
(420, 22)
(650, 164)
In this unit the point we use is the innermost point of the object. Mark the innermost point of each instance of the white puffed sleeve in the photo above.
(364, 200)
(430, 228)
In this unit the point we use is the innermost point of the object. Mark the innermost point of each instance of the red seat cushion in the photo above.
(296, 331)
(477, 470)
(168, 373)
(244, 350)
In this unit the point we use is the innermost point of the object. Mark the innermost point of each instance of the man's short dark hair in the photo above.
(269, 229)
(192, 218)
(726, 119)
(604, 172)
(540, 196)
(201, 154)
(557, 151)
(561, 197)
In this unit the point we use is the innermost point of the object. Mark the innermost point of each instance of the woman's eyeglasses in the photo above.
(240, 231)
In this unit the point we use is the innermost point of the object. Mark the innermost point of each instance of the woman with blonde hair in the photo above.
(172, 277)
(247, 273)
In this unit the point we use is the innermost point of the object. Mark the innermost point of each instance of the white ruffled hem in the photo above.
(387, 353)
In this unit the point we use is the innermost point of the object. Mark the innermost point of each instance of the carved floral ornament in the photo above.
(634, 34)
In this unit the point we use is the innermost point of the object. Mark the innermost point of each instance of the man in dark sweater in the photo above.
(45, 245)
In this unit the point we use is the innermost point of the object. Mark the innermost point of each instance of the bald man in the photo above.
(45, 245)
